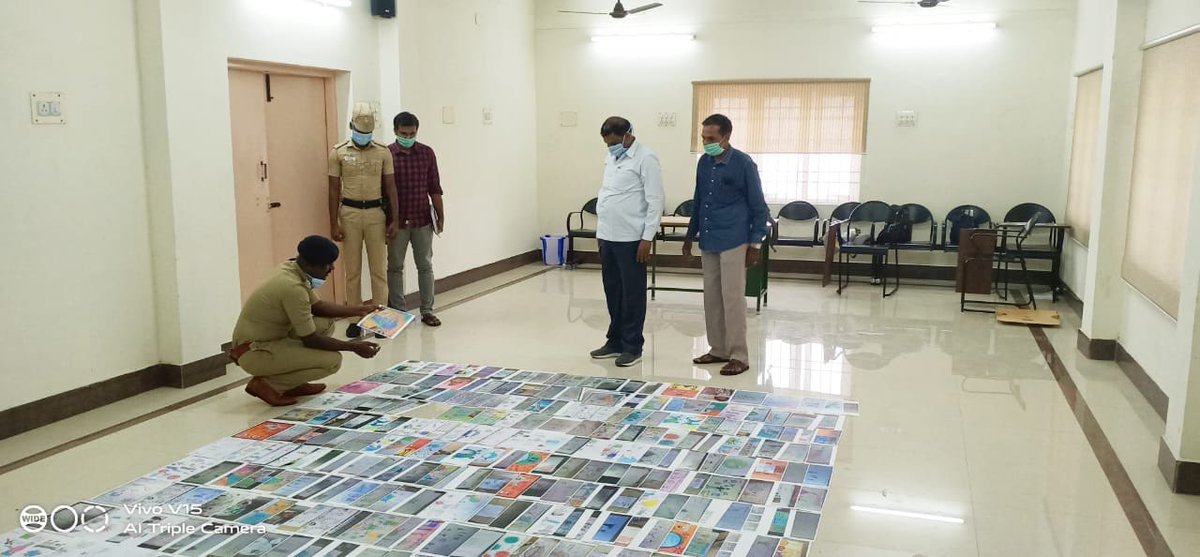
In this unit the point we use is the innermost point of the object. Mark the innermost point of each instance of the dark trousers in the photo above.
(625, 290)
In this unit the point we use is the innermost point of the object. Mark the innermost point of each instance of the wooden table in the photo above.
(756, 276)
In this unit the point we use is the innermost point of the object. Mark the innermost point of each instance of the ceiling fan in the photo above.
(619, 10)
(918, 3)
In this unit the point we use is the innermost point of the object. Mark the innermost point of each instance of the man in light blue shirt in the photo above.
(629, 210)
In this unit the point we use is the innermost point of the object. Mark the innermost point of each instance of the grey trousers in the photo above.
(421, 240)
(725, 303)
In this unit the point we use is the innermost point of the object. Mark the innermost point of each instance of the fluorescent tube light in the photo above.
(906, 514)
(334, 3)
(649, 38)
(937, 28)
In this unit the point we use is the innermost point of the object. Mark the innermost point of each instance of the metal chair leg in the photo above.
(885, 266)
(841, 270)
(1028, 284)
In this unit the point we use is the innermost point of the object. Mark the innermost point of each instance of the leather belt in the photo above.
(363, 204)
(238, 351)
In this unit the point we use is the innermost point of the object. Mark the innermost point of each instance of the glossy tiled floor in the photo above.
(961, 417)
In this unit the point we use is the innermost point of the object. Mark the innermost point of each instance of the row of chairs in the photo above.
(881, 231)
(874, 228)
(898, 220)
(893, 224)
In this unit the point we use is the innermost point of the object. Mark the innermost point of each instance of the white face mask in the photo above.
(315, 282)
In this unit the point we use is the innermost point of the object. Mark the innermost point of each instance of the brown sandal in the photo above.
(734, 367)
(709, 359)
(431, 320)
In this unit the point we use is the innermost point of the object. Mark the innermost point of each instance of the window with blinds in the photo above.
(1168, 132)
(807, 136)
(1084, 143)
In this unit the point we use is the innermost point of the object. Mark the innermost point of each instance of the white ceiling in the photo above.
(696, 12)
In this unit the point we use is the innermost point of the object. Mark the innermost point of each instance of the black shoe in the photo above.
(626, 360)
(353, 331)
(605, 352)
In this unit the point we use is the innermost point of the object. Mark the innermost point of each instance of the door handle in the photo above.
(274, 205)
(262, 171)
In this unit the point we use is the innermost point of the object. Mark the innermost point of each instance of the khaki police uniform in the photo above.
(361, 172)
(271, 325)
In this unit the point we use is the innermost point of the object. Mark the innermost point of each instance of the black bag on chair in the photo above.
(896, 231)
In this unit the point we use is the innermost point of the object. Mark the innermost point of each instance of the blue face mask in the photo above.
(359, 138)
(315, 282)
(617, 150)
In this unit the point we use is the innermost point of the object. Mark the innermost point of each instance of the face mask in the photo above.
(713, 149)
(617, 150)
(315, 282)
(360, 139)
(406, 142)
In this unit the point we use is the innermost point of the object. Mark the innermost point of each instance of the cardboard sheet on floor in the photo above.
(1015, 316)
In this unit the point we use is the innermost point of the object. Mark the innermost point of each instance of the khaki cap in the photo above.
(363, 118)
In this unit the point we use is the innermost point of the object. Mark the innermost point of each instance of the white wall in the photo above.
(1168, 16)
(1110, 32)
(77, 296)
(131, 203)
(197, 276)
(1094, 25)
(1149, 334)
(991, 126)
(1074, 266)
(471, 55)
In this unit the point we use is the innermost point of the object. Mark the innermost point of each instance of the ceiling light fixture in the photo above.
(936, 28)
(657, 38)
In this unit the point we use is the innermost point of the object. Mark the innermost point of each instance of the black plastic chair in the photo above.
(1045, 246)
(580, 232)
(841, 213)
(685, 209)
(1026, 211)
(961, 218)
(799, 212)
(859, 235)
(908, 217)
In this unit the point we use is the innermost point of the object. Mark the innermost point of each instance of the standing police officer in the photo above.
(360, 182)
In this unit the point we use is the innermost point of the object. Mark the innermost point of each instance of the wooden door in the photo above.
(281, 141)
(248, 119)
(298, 155)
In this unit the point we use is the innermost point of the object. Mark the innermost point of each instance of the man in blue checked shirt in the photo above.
(629, 210)
(730, 220)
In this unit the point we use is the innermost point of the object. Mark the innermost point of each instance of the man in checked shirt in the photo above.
(420, 214)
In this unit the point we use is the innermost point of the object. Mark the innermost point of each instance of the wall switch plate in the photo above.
(487, 116)
(47, 108)
(568, 118)
(447, 114)
(906, 118)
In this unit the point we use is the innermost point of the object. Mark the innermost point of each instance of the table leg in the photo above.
(653, 267)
